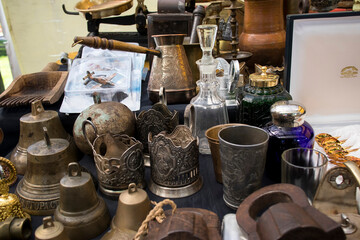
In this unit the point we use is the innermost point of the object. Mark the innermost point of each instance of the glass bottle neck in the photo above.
(207, 71)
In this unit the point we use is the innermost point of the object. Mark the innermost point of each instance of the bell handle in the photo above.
(189, 117)
(74, 169)
(48, 222)
(37, 108)
(46, 137)
(132, 188)
(84, 131)
(103, 43)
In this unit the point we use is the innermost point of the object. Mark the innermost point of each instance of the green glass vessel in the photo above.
(255, 99)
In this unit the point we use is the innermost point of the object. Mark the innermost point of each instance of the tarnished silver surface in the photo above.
(116, 172)
(174, 160)
(155, 120)
(178, 192)
(243, 155)
(288, 113)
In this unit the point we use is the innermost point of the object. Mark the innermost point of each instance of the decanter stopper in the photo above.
(207, 37)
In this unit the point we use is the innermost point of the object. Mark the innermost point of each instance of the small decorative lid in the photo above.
(264, 79)
(288, 113)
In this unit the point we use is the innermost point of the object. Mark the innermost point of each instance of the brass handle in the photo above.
(36, 108)
(74, 169)
(103, 43)
(48, 222)
(84, 131)
(132, 188)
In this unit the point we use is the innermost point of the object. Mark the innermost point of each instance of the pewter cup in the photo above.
(243, 156)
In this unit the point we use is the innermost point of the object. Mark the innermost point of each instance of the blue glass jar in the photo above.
(288, 129)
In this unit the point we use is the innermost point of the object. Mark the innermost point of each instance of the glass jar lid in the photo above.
(288, 113)
(263, 79)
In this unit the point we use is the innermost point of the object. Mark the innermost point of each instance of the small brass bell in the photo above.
(82, 212)
(133, 207)
(39, 189)
(31, 126)
(51, 230)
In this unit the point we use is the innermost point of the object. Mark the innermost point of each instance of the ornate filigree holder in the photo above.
(119, 161)
(155, 120)
(174, 161)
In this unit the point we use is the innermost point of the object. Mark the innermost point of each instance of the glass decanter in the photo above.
(288, 129)
(206, 109)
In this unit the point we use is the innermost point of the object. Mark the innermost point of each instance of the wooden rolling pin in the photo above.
(103, 43)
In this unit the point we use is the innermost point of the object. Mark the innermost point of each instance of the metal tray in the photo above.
(101, 9)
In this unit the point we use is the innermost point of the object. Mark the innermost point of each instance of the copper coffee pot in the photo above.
(170, 67)
(83, 213)
(31, 126)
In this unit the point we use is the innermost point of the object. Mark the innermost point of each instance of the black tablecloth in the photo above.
(209, 197)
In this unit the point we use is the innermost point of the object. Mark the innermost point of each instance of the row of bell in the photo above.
(80, 211)
(31, 131)
(82, 214)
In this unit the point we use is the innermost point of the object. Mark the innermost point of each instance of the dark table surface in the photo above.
(209, 197)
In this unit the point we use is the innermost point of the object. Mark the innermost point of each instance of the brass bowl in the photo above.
(100, 9)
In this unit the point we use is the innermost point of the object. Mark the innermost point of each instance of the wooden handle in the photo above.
(103, 43)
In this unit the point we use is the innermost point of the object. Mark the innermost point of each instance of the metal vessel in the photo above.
(31, 126)
(39, 189)
(83, 213)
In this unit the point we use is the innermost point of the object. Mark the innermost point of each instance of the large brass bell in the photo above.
(133, 207)
(51, 230)
(31, 126)
(82, 212)
(39, 189)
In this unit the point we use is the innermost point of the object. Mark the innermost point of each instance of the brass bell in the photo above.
(31, 126)
(50, 230)
(83, 213)
(39, 189)
(133, 207)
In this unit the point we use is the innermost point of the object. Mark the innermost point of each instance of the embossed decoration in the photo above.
(9, 204)
(155, 120)
(7, 172)
(174, 158)
(241, 177)
(117, 172)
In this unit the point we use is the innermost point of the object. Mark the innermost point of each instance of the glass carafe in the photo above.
(205, 110)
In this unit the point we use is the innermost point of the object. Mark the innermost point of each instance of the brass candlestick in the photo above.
(235, 53)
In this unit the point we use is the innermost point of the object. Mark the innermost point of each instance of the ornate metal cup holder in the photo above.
(158, 118)
(117, 172)
(174, 159)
